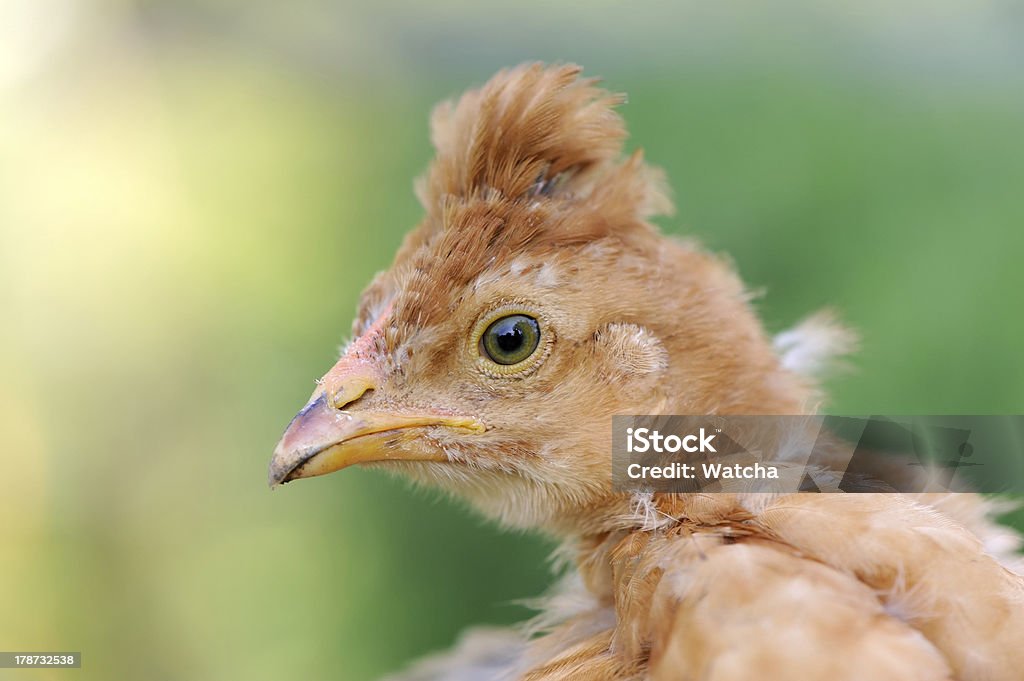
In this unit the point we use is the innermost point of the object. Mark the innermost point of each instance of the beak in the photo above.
(322, 439)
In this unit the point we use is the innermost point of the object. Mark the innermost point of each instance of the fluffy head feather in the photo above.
(537, 132)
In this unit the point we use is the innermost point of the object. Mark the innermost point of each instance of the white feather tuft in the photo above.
(812, 347)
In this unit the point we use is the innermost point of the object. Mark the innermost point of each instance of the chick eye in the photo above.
(511, 339)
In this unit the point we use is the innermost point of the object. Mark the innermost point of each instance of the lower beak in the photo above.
(321, 439)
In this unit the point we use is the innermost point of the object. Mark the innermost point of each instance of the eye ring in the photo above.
(510, 341)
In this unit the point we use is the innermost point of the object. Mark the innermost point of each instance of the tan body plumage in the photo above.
(530, 211)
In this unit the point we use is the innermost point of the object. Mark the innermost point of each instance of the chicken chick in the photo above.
(534, 302)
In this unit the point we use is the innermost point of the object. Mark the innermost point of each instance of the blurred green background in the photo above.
(193, 193)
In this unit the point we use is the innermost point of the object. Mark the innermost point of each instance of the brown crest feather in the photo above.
(535, 132)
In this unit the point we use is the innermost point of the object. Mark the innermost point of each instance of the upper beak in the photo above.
(322, 439)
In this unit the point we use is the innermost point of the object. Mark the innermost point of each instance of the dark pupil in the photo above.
(510, 337)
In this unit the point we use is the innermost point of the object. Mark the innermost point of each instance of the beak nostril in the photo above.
(349, 392)
(340, 401)
(349, 380)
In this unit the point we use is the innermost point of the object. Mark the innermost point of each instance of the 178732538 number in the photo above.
(10, 660)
